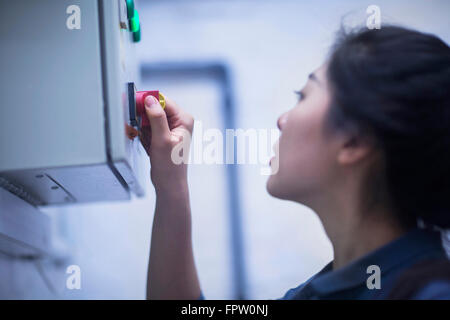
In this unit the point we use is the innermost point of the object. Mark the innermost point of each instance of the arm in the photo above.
(171, 270)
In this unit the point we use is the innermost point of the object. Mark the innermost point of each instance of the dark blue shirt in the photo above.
(350, 282)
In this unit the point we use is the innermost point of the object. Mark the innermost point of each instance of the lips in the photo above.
(275, 149)
(276, 146)
(270, 161)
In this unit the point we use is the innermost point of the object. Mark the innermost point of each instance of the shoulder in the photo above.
(292, 293)
(429, 279)
(435, 290)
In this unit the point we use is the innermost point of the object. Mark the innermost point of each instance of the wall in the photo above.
(270, 46)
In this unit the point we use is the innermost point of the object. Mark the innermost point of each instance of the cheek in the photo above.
(304, 155)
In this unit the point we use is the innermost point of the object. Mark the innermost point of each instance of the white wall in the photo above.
(270, 46)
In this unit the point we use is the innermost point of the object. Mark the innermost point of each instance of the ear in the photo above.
(353, 150)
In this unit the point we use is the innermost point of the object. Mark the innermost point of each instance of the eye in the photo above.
(300, 95)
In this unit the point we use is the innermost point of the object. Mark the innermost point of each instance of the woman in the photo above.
(367, 147)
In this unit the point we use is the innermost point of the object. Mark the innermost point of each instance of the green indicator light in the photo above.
(137, 35)
(134, 22)
(130, 8)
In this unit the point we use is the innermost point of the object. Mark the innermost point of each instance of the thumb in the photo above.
(158, 120)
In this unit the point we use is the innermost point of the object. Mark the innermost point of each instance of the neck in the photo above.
(356, 240)
(354, 232)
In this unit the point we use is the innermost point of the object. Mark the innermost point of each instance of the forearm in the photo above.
(171, 272)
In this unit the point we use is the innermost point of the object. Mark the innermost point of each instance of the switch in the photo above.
(132, 104)
(137, 35)
(130, 8)
(140, 107)
(134, 22)
(136, 102)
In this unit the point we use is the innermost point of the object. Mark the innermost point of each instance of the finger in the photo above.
(158, 120)
(171, 108)
(145, 137)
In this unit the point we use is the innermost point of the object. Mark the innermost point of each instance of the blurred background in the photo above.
(231, 64)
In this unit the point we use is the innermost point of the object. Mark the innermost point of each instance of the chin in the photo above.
(278, 189)
(273, 187)
(269, 185)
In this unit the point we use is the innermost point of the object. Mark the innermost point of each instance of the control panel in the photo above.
(65, 101)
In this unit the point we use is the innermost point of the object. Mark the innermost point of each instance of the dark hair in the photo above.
(393, 85)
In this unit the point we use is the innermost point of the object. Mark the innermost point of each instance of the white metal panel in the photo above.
(50, 95)
(24, 230)
(64, 102)
(120, 67)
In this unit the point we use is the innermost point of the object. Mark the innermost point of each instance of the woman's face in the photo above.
(306, 157)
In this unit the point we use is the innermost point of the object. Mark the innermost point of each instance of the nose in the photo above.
(281, 121)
